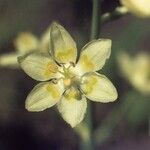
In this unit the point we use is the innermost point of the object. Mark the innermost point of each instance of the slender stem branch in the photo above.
(96, 19)
(86, 128)
(116, 14)
(9, 60)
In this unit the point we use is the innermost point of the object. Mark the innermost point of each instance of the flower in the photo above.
(25, 43)
(137, 70)
(65, 82)
(140, 8)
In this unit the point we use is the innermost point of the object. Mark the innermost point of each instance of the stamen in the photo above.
(55, 81)
(60, 72)
(72, 64)
(62, 64)
(52, 68)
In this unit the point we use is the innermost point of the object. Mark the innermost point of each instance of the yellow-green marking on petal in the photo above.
(53, 91)
(62, 44)
(72, 94)
(90, 84)
(98, 88)
(72, 106)
(64, 56)
(51, 69)
(86, 63)
(43, 96)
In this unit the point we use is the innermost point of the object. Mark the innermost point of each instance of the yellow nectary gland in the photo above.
(67, 82)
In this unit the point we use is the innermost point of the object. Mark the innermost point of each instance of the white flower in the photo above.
(67, 83)
(140, 8)
(136, 70)
(25, 43)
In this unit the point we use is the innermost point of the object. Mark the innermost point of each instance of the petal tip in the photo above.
(28, 107)
(114, 96)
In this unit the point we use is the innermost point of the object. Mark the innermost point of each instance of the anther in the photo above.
(72, 64)
(55, 81)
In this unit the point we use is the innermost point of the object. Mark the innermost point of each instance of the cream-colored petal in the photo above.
(125, 64)
(43, 96)
(98, 88)
(63, 46)
(45, 41)
(93, 56)
(72, 107)
(140, 8)
(136, 69)
(39, 66)
(26, 42)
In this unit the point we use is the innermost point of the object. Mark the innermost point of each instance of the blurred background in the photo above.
(122, 125)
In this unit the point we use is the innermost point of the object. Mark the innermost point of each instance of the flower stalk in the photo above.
(116, 14)
(88, 143)
(96, 19)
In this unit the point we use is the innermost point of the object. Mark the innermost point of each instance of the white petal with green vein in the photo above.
(39, 66)
(71, 108)
(93, 55)
(98, 88)
(63, 46)
(43, 96)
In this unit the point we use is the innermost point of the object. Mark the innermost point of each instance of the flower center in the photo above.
(69, 78)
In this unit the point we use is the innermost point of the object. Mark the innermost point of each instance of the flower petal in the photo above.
(140, 8)
(72, 107)
(39, 66)
(98, 88)
(26, 42)
(63, 46)
(125, 64)
(93, 55)
(43, 96)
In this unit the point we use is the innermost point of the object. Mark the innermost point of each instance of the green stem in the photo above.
(116, 14)
(95, 30)
(96, 19)
(85, 129)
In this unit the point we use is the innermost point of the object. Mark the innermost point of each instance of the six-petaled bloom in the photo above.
(65, 82)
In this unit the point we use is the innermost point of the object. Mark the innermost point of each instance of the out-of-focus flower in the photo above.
(25, 43)
(67, 83)
(136, 70)
(140, 8)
